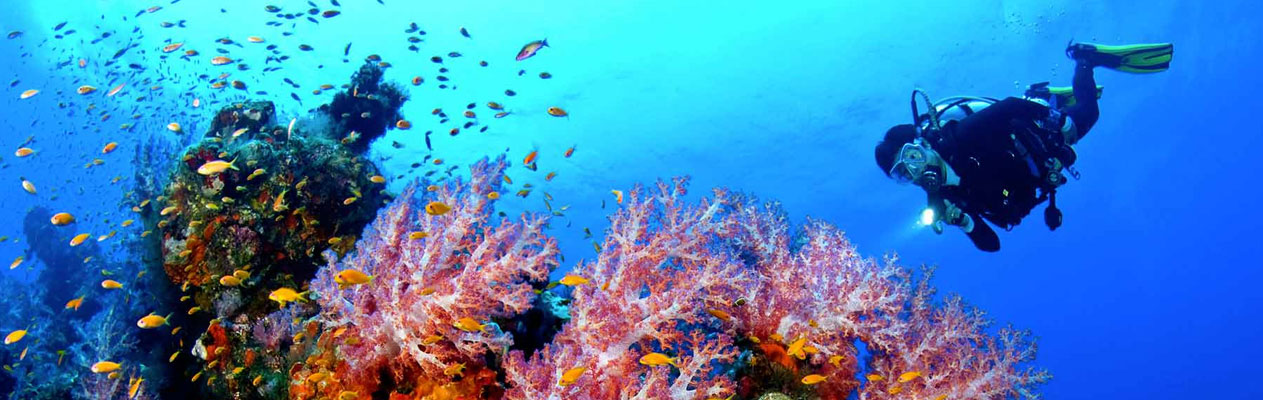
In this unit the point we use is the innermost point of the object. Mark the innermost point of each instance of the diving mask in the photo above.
(913, 166)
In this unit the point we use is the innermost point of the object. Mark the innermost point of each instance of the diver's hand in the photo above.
(951, 213)
(955, 216)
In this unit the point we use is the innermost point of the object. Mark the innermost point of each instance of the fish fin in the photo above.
(232, 164)
(543, 43)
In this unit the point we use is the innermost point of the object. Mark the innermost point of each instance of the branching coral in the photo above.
(663, 264)
(704, 283)
(405, 321)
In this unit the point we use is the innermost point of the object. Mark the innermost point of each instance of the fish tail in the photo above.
(233, 164)
(543, 43)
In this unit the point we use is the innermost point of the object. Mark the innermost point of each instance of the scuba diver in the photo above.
(995, 160)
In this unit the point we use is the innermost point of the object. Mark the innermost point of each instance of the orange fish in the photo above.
(530, 158)
(28, 94)
(111, 284)
(115, 90)
(172, 47)
(109, 147)
(23, 152)
(618, 195)
(220, 60)
(62, 218)
(569, 152)
(403, 124)
(78, 239)
(74, 304)
(85, 89)
(557, 112)
(571, 375)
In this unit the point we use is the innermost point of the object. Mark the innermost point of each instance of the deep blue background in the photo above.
(1148, 291)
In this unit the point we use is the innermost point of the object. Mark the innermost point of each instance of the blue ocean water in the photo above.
(1147, 291)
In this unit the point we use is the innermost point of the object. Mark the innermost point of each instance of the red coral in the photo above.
(468, 267)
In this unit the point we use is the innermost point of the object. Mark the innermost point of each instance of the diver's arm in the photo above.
(981, 234)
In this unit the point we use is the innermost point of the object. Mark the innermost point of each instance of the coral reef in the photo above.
(367, 105)
(760, 312)
(662, 265)
(229, 238)
(430, 319)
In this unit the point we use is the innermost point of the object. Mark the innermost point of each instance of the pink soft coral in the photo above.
(707, 283)
(663, 264)
(466, 268)
(825, 293)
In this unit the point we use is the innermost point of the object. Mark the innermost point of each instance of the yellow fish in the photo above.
(874, 378)
(285, 295)
(256, 174)
(128, 223)
(28, 186)
(134, 387)
(351, 277)
(469, 325)
(15, 336)
(229, 280)
(573, 280)
(23, 152)
(105, 367)
(377, 179)
(571, 375)
(17, 262)
(454, 370)
(78, 239)
(152, 321)
(796, 348)
(908, 376)
(437, 208)
(63, 218)
(432, 339)
(835, 360)
(257, 380)
(176, 330)
(812, 379)
(216, 167)
(417, 235)
(618, 195)
(657, 359)
(111, 284)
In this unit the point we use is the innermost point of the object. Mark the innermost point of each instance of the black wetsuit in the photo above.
(997, 152)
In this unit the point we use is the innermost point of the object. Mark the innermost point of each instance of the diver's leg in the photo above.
(1084, 112)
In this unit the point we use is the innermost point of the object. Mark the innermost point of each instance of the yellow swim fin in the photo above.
(1132, 58)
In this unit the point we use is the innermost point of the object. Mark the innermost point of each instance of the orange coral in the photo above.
(777, 354)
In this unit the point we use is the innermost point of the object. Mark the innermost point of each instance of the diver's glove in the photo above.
(953, 215)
